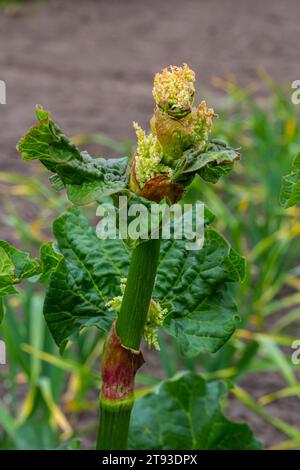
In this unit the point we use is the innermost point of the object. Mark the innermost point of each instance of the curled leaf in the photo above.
(214, 161)
(15, 266)
(86, 179)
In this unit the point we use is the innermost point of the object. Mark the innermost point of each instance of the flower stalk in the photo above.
(176, 126)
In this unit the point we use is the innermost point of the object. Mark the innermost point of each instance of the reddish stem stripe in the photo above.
(119, 366)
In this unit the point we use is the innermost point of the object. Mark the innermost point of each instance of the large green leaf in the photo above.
(192, 285)
(184, 414)
(87, 276)
(290, 189)
(215, 161)
(86, 179)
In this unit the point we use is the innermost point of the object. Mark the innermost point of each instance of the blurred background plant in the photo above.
(264, 123)
(11, 3)
(248, 211)
(42, 388)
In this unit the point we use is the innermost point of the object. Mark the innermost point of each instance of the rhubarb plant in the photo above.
(130, 288)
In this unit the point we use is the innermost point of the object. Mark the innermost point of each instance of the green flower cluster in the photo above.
(148, 157)
(155, 317)
(176, 126)
(174, 90)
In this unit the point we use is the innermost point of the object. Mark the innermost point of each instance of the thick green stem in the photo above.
(138, 293)
(114, 424)
(121, 357)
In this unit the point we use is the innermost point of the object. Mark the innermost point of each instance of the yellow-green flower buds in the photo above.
(147, 162)
(155, 317)
(202, 121)
(115, 303)
(174, 90)
(178, 125)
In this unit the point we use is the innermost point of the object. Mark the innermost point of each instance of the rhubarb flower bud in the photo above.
(177, 125)
(148, 176)
(147, 162)
(174, 135)
(174, 90)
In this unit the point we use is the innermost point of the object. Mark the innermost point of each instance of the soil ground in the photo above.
(92, 64)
